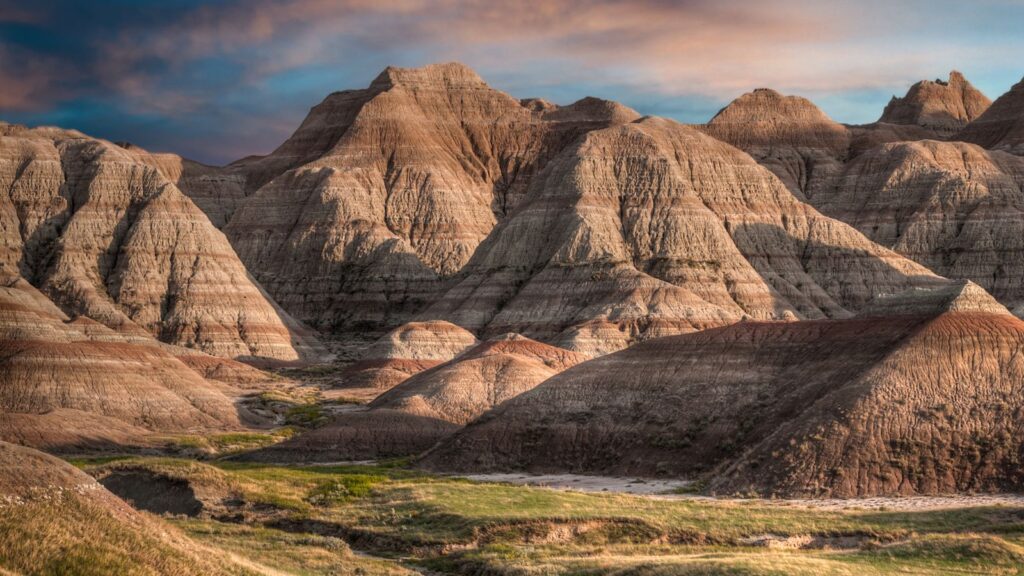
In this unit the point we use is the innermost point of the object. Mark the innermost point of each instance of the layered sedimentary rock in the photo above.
(409, 349)
(787, 134)
(481, 378)
(105, 233)
(954, 207)
(382, 193)
(55, 518)
(66, 384)
(943, 106)
(1001, 127)
(921, 395)
(653, 228)
(429, 406)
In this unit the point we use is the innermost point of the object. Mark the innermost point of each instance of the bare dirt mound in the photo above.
(56, 519)
(789, 135)
(919, 396)
(953, 207)
(75, 384)
(407, 350)
(479, 379)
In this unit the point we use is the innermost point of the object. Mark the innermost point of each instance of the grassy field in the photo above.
(448, 525)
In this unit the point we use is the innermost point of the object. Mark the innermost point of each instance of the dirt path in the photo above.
(663, 489)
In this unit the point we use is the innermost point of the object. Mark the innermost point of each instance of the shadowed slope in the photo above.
(384, 192)
(954, 207)
(653, 228)
(1001, 127)
(55, 519)
(920, 395)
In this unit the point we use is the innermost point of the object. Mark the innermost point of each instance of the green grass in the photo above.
(73, 536)
(458, 525)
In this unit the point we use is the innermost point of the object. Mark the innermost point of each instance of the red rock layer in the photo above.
(923, 400)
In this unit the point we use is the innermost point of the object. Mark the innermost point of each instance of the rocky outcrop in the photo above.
(789, 135)
(1001, 127)
(383, 193)
(943, 106)
(67, 384)
(925, 399)
(653, 228)
(105, 233)
(954, 207)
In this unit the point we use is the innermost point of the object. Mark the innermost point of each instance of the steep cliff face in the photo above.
(942, 106)
(653, 228)
(954, 207)
(789, 135)
(103, 232)
(895, 402)
(384, 192)
(67, 383)
(1001, 127)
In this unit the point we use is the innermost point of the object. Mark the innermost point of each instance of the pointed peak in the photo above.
(946, 105)
(446, 75)
(961, 296)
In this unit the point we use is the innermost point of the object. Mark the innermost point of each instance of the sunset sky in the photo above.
(222, 79)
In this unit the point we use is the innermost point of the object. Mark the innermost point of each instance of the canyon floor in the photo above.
(388, 517)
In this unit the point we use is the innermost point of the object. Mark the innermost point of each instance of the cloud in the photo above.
(258, 64)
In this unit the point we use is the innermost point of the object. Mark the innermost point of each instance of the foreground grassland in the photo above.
(302, 520)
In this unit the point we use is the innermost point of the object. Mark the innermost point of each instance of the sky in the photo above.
(218, 80)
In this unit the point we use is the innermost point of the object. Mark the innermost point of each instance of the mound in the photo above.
(384, 192)
(413, 416)
(945, 107)
(953, 207)
(70, 384)
(653, 228)
(56, 519)
(789, 135)
(102, 232)
(479, 379)
(1001, 127)
(406, 350)
(925, 399)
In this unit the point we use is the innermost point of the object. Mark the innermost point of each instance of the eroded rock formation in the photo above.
(653, 228)
(898, 401)
(72, 383)
(382, 193)
(105, 234)
(1001, 127)
(954, 207)
(943, 106)
(789, 135)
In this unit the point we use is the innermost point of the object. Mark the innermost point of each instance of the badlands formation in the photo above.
(770, 302)
(920, 394)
